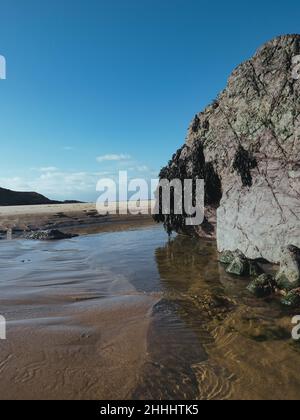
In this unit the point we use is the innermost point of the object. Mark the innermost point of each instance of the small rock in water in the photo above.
(292, 299)
(49, 235)
(239, 266)
(288, 277)
(262, 286)
(226, 257)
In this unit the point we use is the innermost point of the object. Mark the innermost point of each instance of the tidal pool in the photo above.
(132, 314)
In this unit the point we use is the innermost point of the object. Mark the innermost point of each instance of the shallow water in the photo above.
(134, 315)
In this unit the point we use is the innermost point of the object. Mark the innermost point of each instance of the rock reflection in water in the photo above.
(209, 338)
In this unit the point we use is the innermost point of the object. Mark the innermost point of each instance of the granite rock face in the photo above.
(288, 276)
(246, 145)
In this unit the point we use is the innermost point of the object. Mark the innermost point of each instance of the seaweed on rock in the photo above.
(176, 169)
(193, 168)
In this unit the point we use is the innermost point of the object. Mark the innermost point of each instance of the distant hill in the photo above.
(15, 198)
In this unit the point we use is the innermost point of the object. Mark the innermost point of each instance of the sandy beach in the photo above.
(79, 218)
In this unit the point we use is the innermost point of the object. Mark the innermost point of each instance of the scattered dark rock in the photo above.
(292, 299)
(226, 257)
(60, 215)
(49, 235)
(239, 266)
(262, 286)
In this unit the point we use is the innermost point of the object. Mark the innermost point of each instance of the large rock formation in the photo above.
(246, 146)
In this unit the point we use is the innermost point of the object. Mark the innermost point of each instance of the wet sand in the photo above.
(74, 218)
(75, 330)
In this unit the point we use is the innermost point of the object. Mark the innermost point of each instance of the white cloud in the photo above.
(78, 185)
(113, 158)
(48, 169)
(143, 168)
(15, 183)
(57, 184)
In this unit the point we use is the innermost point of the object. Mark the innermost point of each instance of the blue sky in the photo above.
(96, 86)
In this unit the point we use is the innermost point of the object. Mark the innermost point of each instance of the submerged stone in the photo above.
(262, 286)
(49, 235)
(239, 266)
(292, 299)
(226, 257)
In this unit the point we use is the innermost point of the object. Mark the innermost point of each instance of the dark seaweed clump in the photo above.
(243, 163)
(177, 169)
